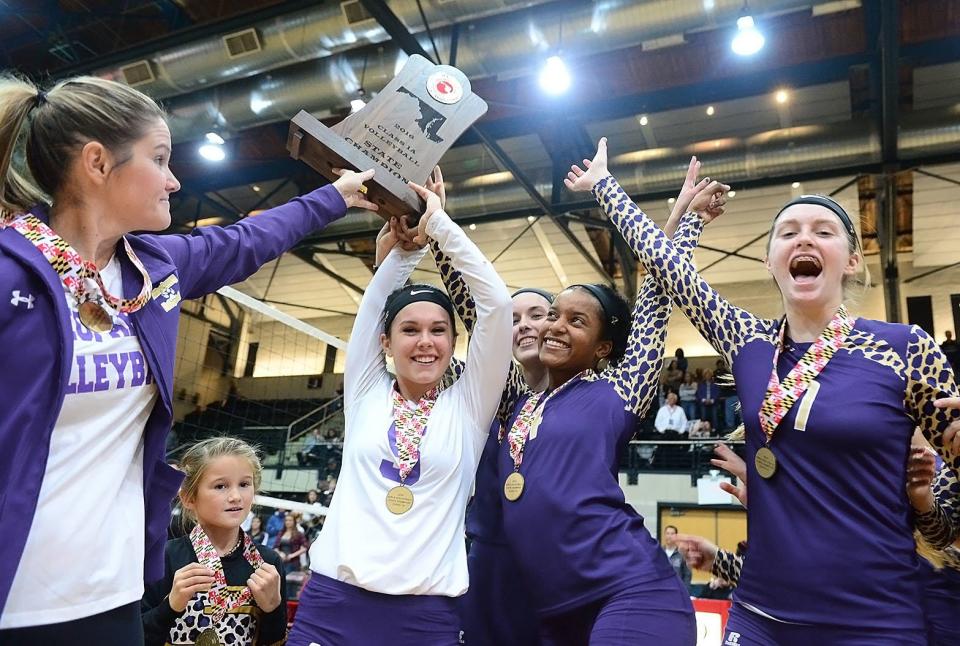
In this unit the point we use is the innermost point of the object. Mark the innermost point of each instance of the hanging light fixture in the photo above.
(748, 40)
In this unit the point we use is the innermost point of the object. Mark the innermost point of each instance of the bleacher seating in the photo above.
(262, 422)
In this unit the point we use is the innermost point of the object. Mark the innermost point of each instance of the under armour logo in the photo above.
(17, 299)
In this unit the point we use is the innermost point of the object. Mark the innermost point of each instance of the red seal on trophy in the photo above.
(444, 88)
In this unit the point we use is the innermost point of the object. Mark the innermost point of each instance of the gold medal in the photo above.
(208, 637)
(513, 486)
(766, 462)
(94, 317)
(399, 500)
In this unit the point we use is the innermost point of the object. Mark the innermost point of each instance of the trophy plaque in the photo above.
(401, 133)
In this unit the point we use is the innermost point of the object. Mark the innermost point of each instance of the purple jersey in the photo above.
(574, 536)
(484, 522)
(831, 532)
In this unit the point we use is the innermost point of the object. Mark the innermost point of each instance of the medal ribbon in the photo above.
(781, 396)
(529, 416)
(411, 423)
(219, 598)
(80, 276)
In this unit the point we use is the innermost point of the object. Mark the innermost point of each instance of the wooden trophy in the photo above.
(401, 133)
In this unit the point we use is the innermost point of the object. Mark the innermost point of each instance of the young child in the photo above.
(219, 587)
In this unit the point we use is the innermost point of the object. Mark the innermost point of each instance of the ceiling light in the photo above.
(554, 77)
(671, 200)
(710, 110)
(473, 227)
(212, 152)
(643, 120)
(732, 193)
(795, 185)
(748, 40)
(782, 96)
(256, 188)
(531, 219)
(214, 138)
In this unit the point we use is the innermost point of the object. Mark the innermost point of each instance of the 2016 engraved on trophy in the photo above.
(402, 133)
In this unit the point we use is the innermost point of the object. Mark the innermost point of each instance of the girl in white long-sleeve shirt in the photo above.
(391, 559)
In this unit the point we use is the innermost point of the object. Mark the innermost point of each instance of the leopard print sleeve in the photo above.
(938, 526)
(456, 288)
(636, 376)
(463, 303)
(726, 327)
(727, 567)
(928, 378)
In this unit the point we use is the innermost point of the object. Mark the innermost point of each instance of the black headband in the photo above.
(827, 203)
(607, 303)
(534, 290)
(414, 294)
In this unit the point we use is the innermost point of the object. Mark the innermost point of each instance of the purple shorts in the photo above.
(334, 613)
(746, 628)
(941, 599)
(657, 612)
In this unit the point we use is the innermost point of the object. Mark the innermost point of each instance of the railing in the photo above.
(673, 456)
(333, 407)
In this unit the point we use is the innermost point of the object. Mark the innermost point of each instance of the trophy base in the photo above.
(323, 150)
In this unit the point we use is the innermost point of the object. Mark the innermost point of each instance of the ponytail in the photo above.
(17, 99)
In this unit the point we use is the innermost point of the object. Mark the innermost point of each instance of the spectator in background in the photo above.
(328, 488)
(674, 556)
(337, 402)
(708, 394)
(310, 454)
(275, 522)
(688, 396)
(313, 499)
(952, 349)
(681, 361)
(700, 428)
(728, 396)
(331, 470)
(259, 536)
(291, 544)
(672, 378)
(671, 417)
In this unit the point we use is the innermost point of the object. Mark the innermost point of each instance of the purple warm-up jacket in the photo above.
(36, 349)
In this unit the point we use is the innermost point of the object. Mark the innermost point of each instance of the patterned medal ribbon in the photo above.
(218, 596)
(529, 416)
(781, 396)
(411, 423)
(80, 276)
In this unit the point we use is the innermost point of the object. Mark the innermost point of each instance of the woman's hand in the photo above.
(433, 205)
(688, 191)
(579, 180)
(351, 188)
(264, 583)
(699, 553)
(188, 581)
(710, 201)
(731, 462)
(434, 184)
(395, 232)
(921, 472)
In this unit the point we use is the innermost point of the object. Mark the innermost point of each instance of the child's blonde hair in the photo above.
(199, 456)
